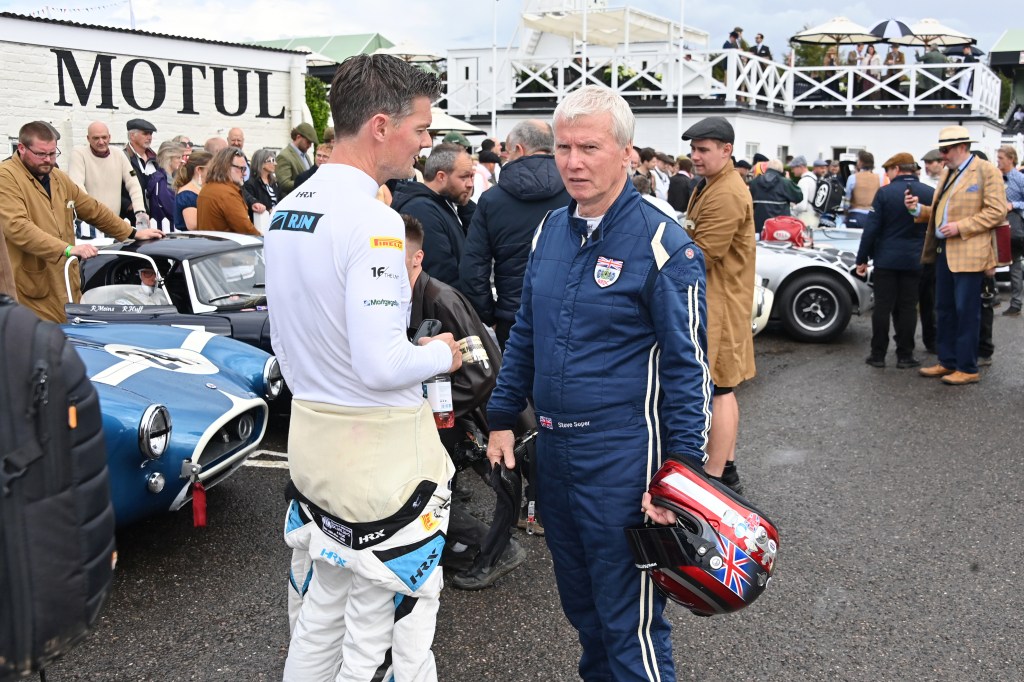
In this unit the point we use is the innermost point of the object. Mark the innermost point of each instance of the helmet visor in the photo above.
(666, 547)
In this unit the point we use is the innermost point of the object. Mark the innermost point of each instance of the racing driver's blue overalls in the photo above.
(610, 342)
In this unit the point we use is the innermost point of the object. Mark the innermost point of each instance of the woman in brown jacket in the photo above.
(220, 204)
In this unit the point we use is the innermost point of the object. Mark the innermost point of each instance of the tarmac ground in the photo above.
(899, 503)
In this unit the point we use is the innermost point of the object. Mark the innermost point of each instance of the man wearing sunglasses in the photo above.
(38, 207)
(969, 202)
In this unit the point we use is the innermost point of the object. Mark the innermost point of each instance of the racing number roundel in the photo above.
(171, 360)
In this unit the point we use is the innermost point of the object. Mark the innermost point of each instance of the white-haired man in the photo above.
(609, 341)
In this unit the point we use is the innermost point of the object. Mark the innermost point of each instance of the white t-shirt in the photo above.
(339, 296)
(661, 184)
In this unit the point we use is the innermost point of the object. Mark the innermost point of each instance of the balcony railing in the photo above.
(735, 78)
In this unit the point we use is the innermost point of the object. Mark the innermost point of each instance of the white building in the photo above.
(775, 109)
(70, 74)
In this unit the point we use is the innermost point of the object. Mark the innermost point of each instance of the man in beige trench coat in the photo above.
(38, 206)
(720, 216)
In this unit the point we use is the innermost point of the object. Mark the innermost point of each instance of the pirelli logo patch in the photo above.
(386, 243)
(295, 221)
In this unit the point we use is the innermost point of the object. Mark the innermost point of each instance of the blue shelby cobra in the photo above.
(178, 406)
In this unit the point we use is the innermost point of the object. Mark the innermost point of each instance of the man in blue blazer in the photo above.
(894, 241)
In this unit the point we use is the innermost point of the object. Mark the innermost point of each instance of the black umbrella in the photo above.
(958, 51)
(890, 29)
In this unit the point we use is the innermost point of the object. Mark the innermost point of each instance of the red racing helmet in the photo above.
(720, 555)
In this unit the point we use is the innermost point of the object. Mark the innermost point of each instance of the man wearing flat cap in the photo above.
(893, 240)
(720, 216)
(969, 203)
(932, 168)
(292, 160)
(807, 183)
(143, 159)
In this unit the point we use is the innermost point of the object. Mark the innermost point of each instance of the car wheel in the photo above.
(815, 308)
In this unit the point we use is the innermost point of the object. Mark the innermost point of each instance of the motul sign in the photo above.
(142, 84)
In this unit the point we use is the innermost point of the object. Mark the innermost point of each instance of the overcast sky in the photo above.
(441, 24)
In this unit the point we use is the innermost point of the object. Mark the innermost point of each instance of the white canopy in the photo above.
(318, 59)
(408, 52)
(609, 27)
(443, 123)
(931, 32)
(836, 31)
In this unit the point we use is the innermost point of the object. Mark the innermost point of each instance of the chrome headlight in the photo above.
(154, 431)
(273, 380)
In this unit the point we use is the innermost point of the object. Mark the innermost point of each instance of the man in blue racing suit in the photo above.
(610, 341)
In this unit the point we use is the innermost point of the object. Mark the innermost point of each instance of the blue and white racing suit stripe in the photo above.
(391, 590)
(610, 341)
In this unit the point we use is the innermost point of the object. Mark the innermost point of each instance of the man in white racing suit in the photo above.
(366, 462)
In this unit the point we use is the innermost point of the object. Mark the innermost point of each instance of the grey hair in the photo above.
(535, 136)
(642, 183)
(592, 100)
(167, 151)
(260, 158)
(442, 158)
(776, 164)
(369, 84)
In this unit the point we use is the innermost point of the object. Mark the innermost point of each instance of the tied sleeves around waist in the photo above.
(364, 464)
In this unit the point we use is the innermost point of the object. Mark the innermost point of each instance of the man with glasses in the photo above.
(323, 155)
(103, 174)
(969, 203)
(143, 160)
(236, 139)
(38, 207)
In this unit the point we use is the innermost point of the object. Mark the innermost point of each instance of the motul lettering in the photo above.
(135, 70)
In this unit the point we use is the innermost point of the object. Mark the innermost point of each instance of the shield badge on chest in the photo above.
(607, 271)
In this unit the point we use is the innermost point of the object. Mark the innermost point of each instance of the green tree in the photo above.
(809, 54)
(316, 100)
(1005, 92)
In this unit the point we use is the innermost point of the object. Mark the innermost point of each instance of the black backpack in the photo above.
(828, 195)
(56, 518)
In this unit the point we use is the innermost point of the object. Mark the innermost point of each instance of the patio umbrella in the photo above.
(442, 123)
(889, 29)
(319, 59)
(931, 32)
(408, 52)
(837, 31)
(958, 51)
